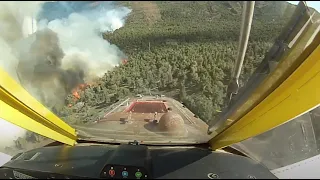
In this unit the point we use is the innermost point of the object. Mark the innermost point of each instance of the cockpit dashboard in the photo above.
(130, 161)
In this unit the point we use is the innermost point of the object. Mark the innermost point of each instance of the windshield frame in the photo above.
(263, 71)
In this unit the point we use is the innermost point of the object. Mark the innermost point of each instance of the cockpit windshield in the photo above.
(156, 72)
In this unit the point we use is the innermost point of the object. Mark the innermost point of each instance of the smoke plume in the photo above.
(67, 49)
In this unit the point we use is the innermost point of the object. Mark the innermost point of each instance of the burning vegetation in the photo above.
(81, 88)
(124, 61)
(41, 70)
(76, 90)
(54, 62)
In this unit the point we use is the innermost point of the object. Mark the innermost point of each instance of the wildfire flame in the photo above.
(76, 94)
(124, 61)
(80, 87)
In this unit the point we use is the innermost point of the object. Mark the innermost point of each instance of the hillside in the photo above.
(197, 22)
(188, 49)
(185, 50)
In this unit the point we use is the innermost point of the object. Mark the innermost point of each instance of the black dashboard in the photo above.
(130, 162)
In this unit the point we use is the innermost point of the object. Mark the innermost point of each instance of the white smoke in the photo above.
(79, 37)
(11, 20)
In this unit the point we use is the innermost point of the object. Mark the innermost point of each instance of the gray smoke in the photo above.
(11, 21)
(64, 52)
(70, 50)
(40, 68)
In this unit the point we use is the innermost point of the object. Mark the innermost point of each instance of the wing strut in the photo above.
(18, 107)
(247, 15)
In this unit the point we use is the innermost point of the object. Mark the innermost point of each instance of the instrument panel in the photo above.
(121, 172)
(130, 162)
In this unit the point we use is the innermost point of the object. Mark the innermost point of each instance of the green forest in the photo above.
(184, 50)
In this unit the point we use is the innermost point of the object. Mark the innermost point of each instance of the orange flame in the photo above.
(124, 61)
(76, 94)
(76, 90)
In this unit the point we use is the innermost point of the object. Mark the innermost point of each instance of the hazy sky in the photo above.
(314, 4)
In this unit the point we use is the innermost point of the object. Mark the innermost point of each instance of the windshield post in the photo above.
(247, 15)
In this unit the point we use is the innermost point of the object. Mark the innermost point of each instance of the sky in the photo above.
(313, 4)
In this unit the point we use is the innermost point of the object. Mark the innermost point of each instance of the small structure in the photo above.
(172, 123)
